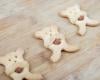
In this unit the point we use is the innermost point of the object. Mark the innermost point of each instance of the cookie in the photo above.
(16, 65)
(79, 17)
(26, 75)
(55, 41)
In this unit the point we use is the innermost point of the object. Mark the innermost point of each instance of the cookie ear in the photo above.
(2, 60)
(20, 51)
(63, 13)
(77, 6)
(38, 34)
(54, 27)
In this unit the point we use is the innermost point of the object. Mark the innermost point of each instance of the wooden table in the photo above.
(19, 19)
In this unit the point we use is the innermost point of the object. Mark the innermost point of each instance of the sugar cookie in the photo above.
(79, 18)
(55, 41)
(17, 66)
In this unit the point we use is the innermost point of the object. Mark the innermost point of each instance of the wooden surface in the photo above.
(19, 19)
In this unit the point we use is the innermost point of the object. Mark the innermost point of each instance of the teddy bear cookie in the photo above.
(55, 41)
(79, 17)
(17, 67)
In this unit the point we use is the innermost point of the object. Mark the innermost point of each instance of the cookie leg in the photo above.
(71, 48)
(55, 56)
(37, 76)
(82, 29)
(92, 23)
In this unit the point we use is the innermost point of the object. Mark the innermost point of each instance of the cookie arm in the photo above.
(56, 55)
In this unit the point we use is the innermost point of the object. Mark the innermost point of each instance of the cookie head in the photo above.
(71, 11)
(47, 32)
(13, 60)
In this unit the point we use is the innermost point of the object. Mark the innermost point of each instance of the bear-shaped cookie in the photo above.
(79, 17)
(16, 65)
(55, 41)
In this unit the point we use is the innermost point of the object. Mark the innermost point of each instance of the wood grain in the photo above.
(19, 19)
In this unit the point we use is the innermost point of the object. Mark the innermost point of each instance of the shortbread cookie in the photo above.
(55, 41)
(79, 18)
(15, 64)
(26, 75)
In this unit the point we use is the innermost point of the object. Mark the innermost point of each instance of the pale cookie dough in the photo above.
(55, 41)
(79, 18)
(16, 66)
